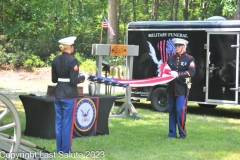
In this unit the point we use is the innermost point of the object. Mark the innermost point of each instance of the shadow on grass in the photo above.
(217, 112)
(221, 111)
(136, 105)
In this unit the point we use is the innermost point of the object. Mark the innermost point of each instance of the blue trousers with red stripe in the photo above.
(64, 108)
(177, 115)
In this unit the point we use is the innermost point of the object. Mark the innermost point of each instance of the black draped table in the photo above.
(40, 115)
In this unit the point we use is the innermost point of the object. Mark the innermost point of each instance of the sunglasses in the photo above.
(178, 45)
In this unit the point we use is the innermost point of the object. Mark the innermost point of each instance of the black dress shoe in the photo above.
(182, 137)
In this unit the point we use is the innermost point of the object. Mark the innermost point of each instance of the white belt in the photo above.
(63, 79)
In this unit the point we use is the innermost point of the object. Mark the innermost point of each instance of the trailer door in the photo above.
(222, 69)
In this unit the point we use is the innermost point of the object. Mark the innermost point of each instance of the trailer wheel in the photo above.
(159, 100)
(207, 105)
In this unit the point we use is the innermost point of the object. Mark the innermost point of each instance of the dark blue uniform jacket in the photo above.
(185, 66)
(63, 67)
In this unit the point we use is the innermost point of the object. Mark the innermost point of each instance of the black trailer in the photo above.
(213, 43)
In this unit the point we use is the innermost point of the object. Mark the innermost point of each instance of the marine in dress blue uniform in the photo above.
(65, 72)
(182, 66)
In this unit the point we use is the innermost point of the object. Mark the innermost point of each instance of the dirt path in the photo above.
(14, 83)
(28, 82)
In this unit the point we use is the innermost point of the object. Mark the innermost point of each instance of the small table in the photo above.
(40, 115)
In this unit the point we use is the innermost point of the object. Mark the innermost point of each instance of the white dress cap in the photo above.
(179, 41)
(67, 41)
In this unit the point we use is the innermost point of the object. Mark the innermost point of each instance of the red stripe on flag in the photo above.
(104, 25)
(161, 51)
(164, 51)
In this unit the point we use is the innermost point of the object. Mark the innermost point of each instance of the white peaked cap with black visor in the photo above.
(68, 41)
(180, 41)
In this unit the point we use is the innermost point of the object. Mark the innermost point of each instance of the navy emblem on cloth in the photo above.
(85, 114)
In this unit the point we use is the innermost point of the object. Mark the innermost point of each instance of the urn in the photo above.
(92, 89)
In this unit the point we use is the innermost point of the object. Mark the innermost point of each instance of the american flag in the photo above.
(166, 49)
(164, 70)
(105, 24)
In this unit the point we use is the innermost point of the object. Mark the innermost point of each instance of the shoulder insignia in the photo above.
(192, 64)
(75, 68)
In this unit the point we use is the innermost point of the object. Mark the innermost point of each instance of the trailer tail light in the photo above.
(133, 89)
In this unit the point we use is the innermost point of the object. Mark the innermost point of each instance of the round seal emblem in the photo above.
(85, 114)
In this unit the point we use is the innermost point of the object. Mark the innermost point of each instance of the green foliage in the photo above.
(88, 66)
(32, 62)
(51, 57)
(49, 60)
(79, 57)
(3, 54)
(3, 57)
(15, 59)
(229, 8)
(36, 27)
(41, 25)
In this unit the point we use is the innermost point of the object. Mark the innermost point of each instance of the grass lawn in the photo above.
(211, 133)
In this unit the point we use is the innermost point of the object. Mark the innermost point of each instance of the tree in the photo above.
(112, 19)
(3, 16)
(229, 9)
(34, 27)
(185, 10)
(171, 9)
(155, 6)
(237, 16)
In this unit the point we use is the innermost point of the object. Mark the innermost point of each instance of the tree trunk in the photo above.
(145, 8)
(171, 9)
(176, 10)
(185, 11)
(154, 14)
(237, 16)
(3, 21)
(112, 20)
(3, 16)
(119, 15)
(134, 10)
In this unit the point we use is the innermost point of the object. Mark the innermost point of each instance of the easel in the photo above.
(118, 50)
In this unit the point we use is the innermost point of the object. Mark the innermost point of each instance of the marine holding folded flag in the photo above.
(65, 72)
(182, 66)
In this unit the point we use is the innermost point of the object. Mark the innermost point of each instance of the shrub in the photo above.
(3, 57)
(79, 57)
(33, 62)
(50, 58)
(88, 66)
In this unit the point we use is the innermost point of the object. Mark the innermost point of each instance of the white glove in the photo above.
(174, 74)
(86, 76)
